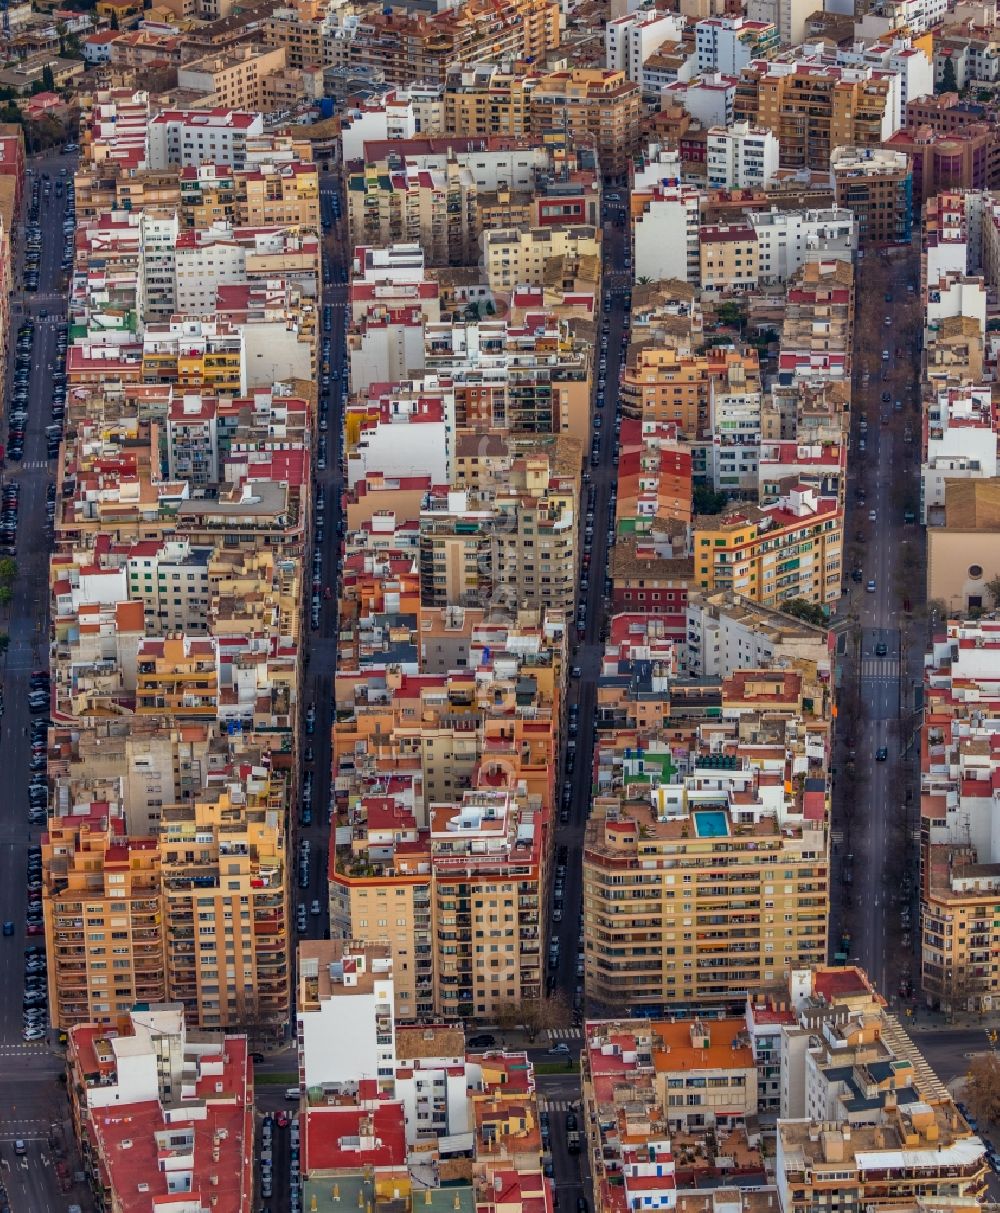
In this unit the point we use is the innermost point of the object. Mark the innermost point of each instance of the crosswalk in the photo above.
(30, 465)
(882, 668)
(565, 1033)
(557, 1105)
(19, 1050)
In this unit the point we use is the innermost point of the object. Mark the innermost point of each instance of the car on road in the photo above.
(870, 587)
(881, 754)
(881, 649)
(484, 1040)
(559, 1049)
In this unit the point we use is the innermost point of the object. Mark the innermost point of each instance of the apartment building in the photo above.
(590, 105)
(726, 929)
(478, 871)
(741, 157)
(235, 81)
(406, 47)
(817, 1157)
(191, 137)
(960, 442)
(726, 632)
(817, 325)
(814, 108)
(959, 872)
(666, 217)
(769, 554)
(435, 207)
(482, 99)
(104, 929)
(876, 184)
(729, 44)
(729, 258)
(664, 387)
(223, 866)
(519, 545)
(344, 1011)
(518, 256)
(170, 1094)
(788, 239)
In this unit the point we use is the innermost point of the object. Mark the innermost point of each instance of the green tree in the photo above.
(48, 80)
(808, 612)
(949, 81)
(707, 501)
(8, 570)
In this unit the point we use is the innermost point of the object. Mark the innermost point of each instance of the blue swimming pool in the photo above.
(711, 824)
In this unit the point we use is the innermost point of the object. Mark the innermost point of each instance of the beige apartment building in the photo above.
(729, 257)
(459, 902)
(235, 80)
(485, 100)
(591, 105)
(520, 256)
(104, 928)
(224, 872)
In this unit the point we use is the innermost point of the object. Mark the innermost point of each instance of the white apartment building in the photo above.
(390, 116)
(666, 234)
(741, 156)
(710, 97)
(630, 40)
(729, 44)
(786, 240)
(344, 1012)
(726, 632)
(961, 442)
(192, 137)
(157, 265)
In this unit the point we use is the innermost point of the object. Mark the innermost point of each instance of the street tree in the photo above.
(982, 1087)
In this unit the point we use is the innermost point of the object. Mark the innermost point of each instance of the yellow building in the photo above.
(223, 864)
(729, 257)
(693, 893)
(519, 256)
(178, 677)
(790, 550)
(104, 938)
(484, 100)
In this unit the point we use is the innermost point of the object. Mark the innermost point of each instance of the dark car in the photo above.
(483, 1041)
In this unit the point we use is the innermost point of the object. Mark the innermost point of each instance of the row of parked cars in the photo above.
(17, 414)
(268, 1128)
(36, 999)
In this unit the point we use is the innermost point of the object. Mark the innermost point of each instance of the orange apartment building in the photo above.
(594, 105)
(665, 387)
(104, 928)
(814, 109)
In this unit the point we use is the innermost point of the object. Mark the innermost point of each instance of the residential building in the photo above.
(876, 184)
(665, 387)
(630, 40)
(729, 44)
(772, 553)
(788, 239)
(344, 1012)
(790, 17)
(960, 442)
(726, 632)
(104, 930)
(666, 218)
(413, 46)
(729, 258)
(741, 157)
(153, 1091)
(235, 81)
(481, 99)
(670, 802)
(813, 108)
(517, 256)
(590, 105)
(964, 548)
(192, 137)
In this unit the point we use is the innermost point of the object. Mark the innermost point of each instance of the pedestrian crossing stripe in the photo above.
(565, 1033)
(885, 668)
(557, 1105)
